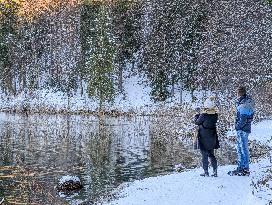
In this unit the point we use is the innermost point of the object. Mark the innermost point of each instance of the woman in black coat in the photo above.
(207, 135)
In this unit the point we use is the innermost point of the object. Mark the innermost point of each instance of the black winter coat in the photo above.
(207, 134)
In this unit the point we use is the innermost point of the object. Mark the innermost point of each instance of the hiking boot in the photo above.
(205, 174)
(236, 172)
(214, 173)
(245, 172)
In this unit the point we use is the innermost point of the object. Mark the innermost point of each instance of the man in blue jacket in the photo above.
(244, 117)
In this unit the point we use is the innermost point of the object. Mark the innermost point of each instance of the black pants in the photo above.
(205, 162)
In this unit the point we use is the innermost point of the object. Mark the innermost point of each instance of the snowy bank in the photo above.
(135, 97)
(191, 189)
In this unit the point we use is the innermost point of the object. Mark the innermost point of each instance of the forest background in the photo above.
(90, 47)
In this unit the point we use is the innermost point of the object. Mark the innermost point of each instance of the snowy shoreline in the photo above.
(135, 99)
(191, 189)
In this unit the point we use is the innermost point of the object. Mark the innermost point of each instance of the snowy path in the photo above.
(188, 188)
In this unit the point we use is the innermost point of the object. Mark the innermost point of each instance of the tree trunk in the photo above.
(173, 88)
(120, 79)
(181, 92)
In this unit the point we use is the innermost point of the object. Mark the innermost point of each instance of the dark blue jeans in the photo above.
(205, 162)
(242, 150)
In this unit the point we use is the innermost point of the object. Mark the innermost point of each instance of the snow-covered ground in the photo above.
(191, 189)
(262, 132)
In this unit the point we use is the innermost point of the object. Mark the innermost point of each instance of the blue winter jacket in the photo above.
(245, 113)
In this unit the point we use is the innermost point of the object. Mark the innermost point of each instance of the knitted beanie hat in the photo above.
(209, 103)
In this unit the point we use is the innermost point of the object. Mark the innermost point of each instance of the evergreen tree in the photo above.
(190, 48)
(172, 45)
(126, 23)
(101, 68)
(157, 52)
(159, 90)
(8, 24)
(88, 21)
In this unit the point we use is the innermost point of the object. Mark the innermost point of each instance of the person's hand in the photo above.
(197, 116)
(197, 110)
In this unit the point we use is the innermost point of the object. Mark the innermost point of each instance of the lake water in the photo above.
(35, 151)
